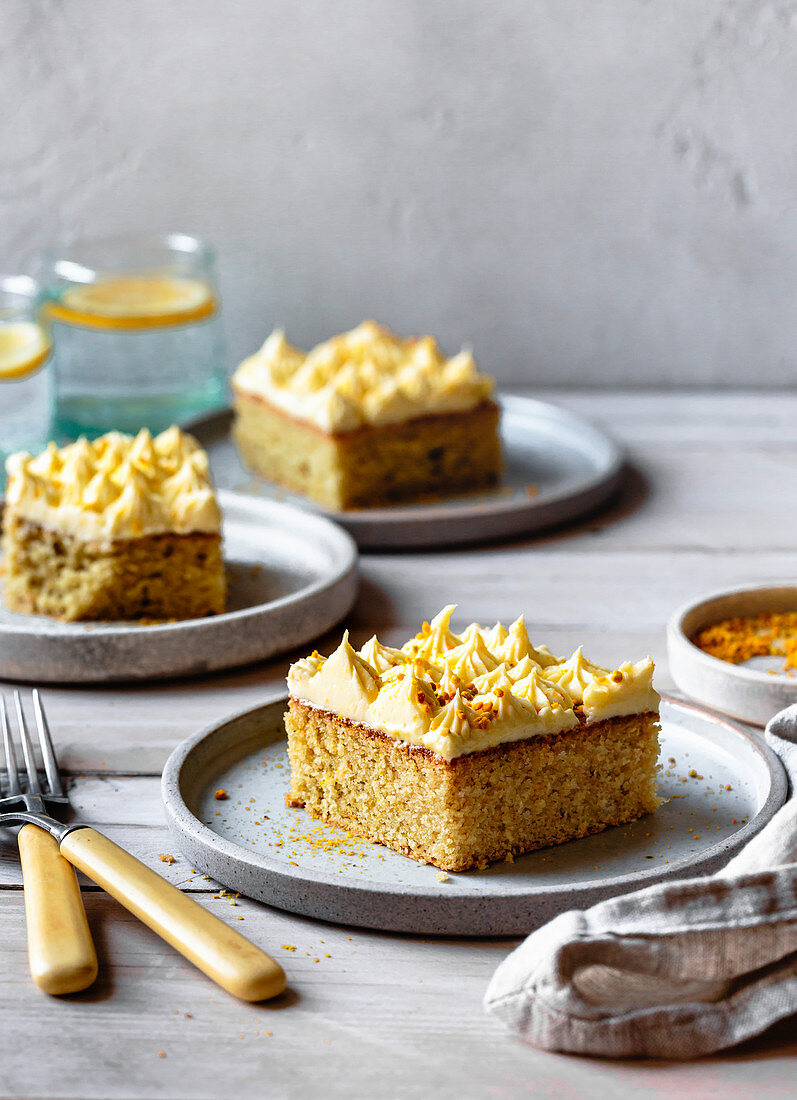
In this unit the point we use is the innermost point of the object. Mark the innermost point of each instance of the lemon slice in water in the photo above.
(135, 301)
(23, 349)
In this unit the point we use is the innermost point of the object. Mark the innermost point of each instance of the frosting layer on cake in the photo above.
(459, 693)
(116, 487)
(366, 376)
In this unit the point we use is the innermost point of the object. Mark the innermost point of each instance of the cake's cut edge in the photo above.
(162, 576)
(423, 457)
(479, 807)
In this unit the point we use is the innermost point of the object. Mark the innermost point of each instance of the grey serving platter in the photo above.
(723, 784)
(291, 575)
(557, 467)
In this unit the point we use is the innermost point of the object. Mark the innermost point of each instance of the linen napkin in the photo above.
(676, 970)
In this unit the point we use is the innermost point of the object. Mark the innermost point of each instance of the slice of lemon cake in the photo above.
(124, 527)
(367, 418)
(461, 749)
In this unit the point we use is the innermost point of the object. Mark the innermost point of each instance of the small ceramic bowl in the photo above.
(741, 692)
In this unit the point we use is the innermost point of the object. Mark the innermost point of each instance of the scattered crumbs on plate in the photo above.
(220, 794)
(164, 857)
(441, 876)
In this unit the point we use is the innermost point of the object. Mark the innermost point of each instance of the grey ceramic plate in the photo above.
(253, 844)
(557, 467)
(292, 576)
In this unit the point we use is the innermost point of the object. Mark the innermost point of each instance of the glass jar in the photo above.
(26, 381)
(137, 334)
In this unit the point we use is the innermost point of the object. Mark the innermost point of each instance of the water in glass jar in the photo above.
(137, 336)
(128, 379)
(26, 383)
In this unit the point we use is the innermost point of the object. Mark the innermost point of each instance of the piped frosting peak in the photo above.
(365, 376)
(117, 486)
(459, 693)
(576, 674)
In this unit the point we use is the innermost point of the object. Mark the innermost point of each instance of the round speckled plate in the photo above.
(722, 782)
(557, 467)
(291, 577)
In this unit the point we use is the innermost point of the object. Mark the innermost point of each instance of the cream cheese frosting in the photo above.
(459, 693)
(116, 487)
(366, 376)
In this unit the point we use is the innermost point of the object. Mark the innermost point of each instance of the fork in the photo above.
(60, 948)
(204, 939)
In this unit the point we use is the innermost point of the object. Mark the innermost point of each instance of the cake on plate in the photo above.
(367, 418)
(461, 749)
(120, 528)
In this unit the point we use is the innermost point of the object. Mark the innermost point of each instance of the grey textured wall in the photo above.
(589, 191)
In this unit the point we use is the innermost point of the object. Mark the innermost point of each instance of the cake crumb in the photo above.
(220, 794)
(164, 857)
(441, 876)
(161, 1053)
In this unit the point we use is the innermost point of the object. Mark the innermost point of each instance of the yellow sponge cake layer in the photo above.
(424, 458)
(476, 808)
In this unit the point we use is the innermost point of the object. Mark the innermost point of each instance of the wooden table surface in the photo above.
(706, 503)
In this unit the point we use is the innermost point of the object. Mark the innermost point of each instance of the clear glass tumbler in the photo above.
(26, 383)
(137, 334)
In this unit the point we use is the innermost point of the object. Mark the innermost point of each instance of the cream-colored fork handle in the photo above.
(219, 951)
(60, 948)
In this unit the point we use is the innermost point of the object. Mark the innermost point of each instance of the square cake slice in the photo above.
(458, 750)
(366, 419)
(120, 528)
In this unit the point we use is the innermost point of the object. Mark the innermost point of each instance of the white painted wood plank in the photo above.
(672, 418)
(383, 1016)
(558, 588)
(399, 1013)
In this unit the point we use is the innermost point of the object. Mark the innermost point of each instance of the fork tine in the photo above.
(8, 749)
(46, 742)
(27, 749)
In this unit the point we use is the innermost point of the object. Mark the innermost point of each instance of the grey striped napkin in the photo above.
(673, 971)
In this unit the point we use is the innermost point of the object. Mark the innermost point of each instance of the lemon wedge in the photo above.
(23, 348)
(135, 301)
